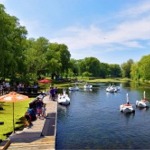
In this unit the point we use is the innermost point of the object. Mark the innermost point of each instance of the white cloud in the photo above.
(141, 8)
(2, 1)
(127, 33)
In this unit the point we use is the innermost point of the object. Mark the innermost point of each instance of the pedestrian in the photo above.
(52, 93)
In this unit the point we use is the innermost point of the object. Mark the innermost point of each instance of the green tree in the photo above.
(12, 44)
(58, 59)
(90, 65)
(115, 70)
(144, 67)
(135, 75)
(35, 58)
(64, 58)
(74, 67)
(126, 68)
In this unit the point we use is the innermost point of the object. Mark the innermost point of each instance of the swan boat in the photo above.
(88, 86)
(143, 102)
(63, 99)
(127, 108)
(111, 89)
(75, 88)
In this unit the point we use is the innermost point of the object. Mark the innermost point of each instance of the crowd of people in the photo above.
(6, 87)
(37, 109)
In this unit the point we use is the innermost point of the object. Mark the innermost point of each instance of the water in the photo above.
(93, 121)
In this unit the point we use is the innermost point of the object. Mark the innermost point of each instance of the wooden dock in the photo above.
(41, 135)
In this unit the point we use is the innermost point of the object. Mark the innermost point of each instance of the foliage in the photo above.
(31, 59)
(144, 67)
(90, 65)
(86, 74)
(12, 44)
(115, 70)
(126, 68)
(135, 75)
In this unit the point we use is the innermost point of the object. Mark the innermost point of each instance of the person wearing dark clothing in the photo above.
(28, 118)
(39, 105)
(32, 114)
(52, 93)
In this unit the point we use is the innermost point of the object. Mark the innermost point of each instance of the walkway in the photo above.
(41, 135)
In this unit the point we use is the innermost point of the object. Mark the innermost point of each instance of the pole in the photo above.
(13, 120)
(144, 95)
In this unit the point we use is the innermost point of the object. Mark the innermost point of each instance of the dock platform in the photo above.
(41, 136)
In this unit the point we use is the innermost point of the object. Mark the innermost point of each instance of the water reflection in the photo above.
(143, 109)
(88, 90)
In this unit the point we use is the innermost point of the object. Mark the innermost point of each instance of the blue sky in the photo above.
(113, 31)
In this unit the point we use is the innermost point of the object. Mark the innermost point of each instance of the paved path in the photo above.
(41, 135)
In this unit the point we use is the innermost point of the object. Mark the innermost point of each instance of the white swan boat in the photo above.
(88, 86)
(75, 88)
(143, 102)
(112, 89)
(63, 99)
(127, 108)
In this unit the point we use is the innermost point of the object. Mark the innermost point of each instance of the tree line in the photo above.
(25, 59)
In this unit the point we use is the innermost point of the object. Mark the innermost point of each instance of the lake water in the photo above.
(93, 120)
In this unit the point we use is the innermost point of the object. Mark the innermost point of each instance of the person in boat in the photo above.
(127, 104)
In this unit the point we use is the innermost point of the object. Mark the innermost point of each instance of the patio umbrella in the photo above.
(45, 81)
(13, 97)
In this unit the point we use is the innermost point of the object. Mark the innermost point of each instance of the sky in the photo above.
(113, 31)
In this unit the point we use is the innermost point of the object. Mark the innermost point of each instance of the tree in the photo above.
(74, 67)
(90, 65)
(12, 44)
(35, 58)
(126, 68)
(135, 75)
(64, 57)
(115, 70)
(104, 70)
(144, 67)
(58, 59)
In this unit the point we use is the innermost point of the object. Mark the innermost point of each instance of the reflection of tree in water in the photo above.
(135, 85)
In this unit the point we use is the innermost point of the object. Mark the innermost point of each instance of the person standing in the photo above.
(52, 93)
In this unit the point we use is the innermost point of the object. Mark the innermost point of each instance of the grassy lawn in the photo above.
(6, 116)
(82, 81)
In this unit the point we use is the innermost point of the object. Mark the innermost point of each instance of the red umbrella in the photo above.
(13, 97)
(45, 81)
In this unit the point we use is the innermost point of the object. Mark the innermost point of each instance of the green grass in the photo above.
(7, 117)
